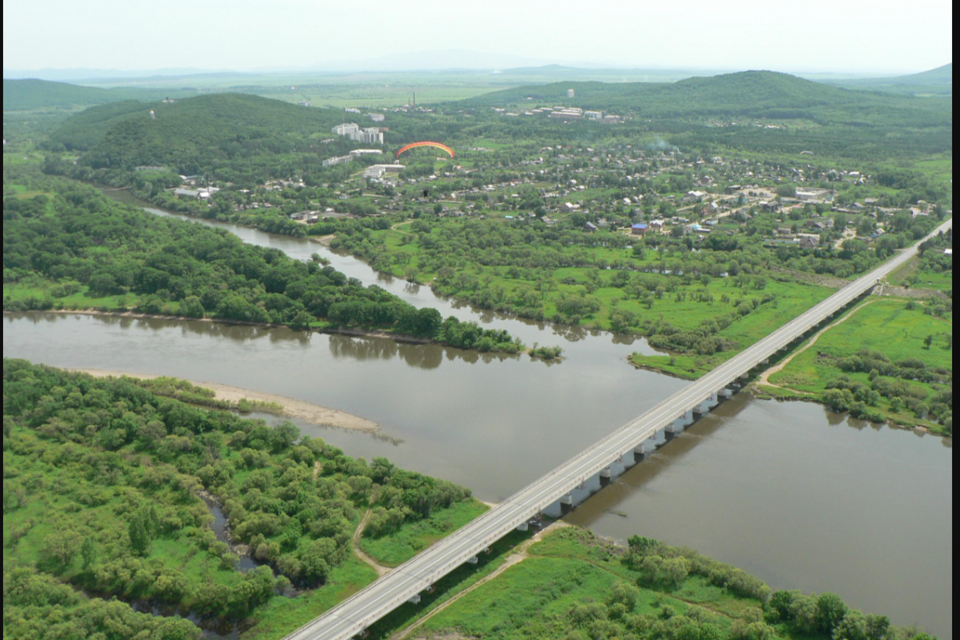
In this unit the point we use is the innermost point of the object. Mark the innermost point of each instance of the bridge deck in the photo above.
(361, 610)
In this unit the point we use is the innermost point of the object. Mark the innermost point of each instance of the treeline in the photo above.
(104, 484)
(783, 613)
(36, 606)
(104, 249)
(890, 381)
(713, 601)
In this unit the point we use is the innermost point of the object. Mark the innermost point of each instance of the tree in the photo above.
(927, 342)
(102, 284)
(89, 552)
(60, 547)
(830, 611)
(191, 307)
(142, 528)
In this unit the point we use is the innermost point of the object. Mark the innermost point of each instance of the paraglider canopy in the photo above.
(426, 143)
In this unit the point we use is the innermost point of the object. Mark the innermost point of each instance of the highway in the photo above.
(352, 616)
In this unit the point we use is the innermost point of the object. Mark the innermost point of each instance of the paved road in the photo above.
(357, 613)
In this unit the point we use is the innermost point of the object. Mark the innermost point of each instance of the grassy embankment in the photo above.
(414, 537)
(572, 585)
(913, 275)
(893, 327)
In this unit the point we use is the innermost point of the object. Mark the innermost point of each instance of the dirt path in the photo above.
(764, 378)
(306, 411)
(518, 556)
(379, 568)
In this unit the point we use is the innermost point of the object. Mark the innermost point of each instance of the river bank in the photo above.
(345, 331)
(306, 411)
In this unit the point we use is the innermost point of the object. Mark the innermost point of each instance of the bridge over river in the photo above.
(633, 440)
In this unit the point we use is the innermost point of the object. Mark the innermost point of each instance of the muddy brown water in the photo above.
(788, 491)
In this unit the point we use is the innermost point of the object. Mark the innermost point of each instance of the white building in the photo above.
(330, 162)
(373, 135)
(351, 130)
(376, 117)
(366, 152)
(571, 93)
(377, 171)
(346, 129)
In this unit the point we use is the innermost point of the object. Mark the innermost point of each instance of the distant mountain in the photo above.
(447, 59)
(937, 81)
(549, 72)
(758, 94)
(76, 75)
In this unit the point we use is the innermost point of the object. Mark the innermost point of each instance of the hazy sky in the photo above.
(808, 35)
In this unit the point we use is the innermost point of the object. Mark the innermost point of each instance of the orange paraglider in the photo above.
(414, 145)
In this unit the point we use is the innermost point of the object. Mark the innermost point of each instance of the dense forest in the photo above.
(78, 245)
(104, 488)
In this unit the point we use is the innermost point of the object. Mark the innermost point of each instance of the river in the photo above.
(798, 496)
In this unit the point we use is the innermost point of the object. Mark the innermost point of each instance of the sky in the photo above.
(245, 35)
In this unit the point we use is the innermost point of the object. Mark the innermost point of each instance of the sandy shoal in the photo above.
(293, 408)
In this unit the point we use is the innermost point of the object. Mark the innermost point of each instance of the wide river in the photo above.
(802, 498)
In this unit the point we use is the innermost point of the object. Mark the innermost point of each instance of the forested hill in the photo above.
(193, 135)
(760, 94)
(22, 95)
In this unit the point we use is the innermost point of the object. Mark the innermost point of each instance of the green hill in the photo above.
(196, 134)
(760, 94)
(936, 82)
(23, 95)
(30, 94)
(699, 112)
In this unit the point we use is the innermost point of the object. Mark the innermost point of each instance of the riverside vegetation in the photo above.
(104, 491)
(482, 229)
(104, 488)
(890, 359)
(73, 248)
(574, 586)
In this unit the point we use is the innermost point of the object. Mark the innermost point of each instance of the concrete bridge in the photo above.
(633, 440)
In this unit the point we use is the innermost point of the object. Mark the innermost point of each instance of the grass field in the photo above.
(571, 568)
(886, 326)
(414, 537)
(280, 616)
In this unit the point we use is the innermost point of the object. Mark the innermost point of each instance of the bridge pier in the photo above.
(566, 503)
(698, 411)
(606, 476)
(414, 599)
(523, 526)
(642, 452)
(714, 397)
(672, 431)
(473, 560)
